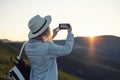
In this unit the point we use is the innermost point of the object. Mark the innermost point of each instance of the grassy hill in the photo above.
(7, 51)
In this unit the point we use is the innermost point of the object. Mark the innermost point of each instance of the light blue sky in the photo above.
(87, 17)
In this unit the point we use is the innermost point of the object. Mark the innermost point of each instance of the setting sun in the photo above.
(91, 36)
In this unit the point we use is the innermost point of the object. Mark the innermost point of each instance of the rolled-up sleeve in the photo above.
(61, 50)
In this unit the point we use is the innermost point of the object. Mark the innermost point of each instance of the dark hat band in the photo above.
(40, 27)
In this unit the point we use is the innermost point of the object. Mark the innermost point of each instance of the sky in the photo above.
(87, 17)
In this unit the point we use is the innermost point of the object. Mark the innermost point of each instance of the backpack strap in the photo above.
(21, 51)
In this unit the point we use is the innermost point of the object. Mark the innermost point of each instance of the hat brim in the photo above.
(31, 35)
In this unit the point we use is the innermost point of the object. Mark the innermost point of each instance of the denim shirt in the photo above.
(42, 56)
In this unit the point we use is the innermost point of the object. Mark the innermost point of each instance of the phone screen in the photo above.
(63, 26)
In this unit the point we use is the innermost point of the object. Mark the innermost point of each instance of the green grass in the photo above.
(4, 72)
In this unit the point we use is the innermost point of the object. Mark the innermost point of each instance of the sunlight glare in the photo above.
(91, 36)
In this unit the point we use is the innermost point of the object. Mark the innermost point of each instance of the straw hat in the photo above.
(38, 25)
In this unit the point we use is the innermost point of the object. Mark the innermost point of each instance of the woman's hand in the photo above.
(69, 28)
(55, 31)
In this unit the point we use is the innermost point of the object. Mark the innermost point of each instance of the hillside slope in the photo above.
(97, 61)
(5, 53)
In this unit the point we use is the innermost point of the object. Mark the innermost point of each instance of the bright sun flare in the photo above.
(91, 36)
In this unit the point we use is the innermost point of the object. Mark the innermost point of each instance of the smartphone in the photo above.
(64, 25)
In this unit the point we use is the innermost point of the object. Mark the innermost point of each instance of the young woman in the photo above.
(42, 51)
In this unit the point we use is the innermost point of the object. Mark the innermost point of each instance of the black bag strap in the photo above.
(21, 51)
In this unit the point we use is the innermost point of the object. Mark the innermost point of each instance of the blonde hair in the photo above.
(45, 36)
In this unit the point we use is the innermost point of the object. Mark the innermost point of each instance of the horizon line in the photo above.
(9, 40)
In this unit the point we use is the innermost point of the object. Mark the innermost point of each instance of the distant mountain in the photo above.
(109, 45)
(105, 45)
(5, 40)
